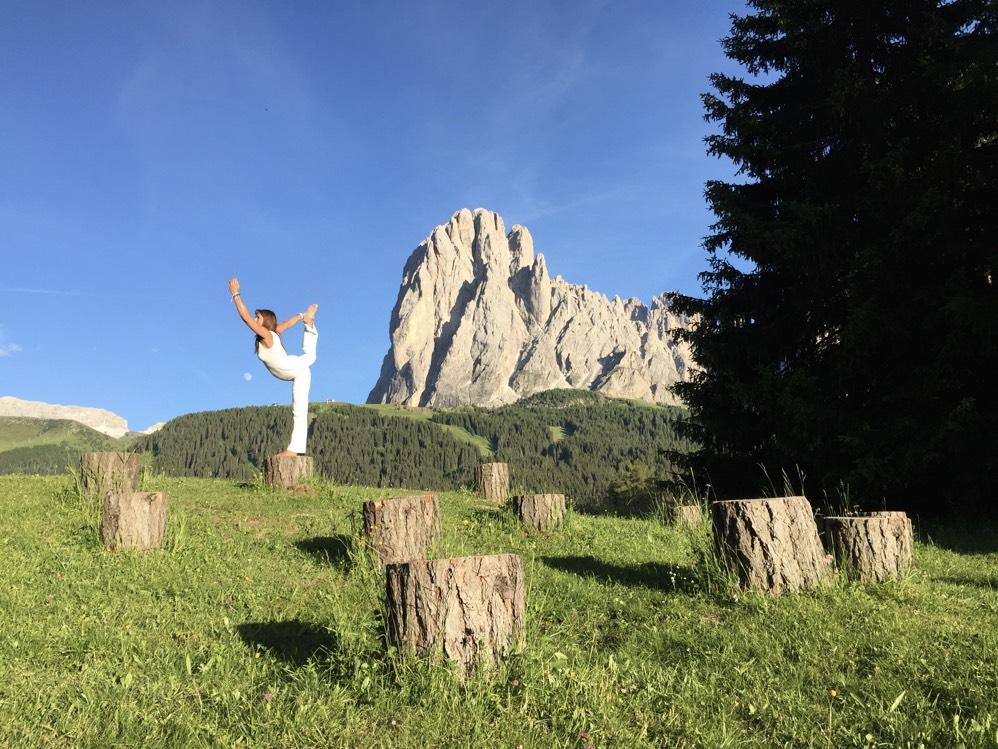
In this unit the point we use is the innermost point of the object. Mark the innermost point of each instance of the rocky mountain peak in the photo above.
(480, 321)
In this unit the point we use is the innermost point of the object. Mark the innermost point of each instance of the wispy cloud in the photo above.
(87, 294)
(7, 349)
(247, 376)
(53, 292)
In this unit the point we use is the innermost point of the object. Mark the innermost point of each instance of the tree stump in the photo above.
(540, 512)
(287, 471)
(689, 516)
(134, 520)
(492, 481)
(101, 473)
(467, 611)
(403, 528)
(871, 549)
(772, 544)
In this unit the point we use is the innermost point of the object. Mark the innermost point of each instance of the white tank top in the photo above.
(276, 358)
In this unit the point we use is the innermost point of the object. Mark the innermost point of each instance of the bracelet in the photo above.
(235, 295)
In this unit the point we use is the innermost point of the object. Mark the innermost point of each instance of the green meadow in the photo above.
(260, 624)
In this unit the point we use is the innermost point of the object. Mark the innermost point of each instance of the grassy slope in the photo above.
(17, 432)
(419, 414)
(266, 596)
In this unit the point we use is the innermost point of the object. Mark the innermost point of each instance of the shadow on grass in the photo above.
(671, 578)
(968, 581)
(333, 550)
(980, 539)
(295, 642)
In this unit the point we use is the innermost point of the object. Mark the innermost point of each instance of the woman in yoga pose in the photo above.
(283, 366)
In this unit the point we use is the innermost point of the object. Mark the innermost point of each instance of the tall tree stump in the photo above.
(492, 481)
(688, 516)
(871, 549)
(772, 544)
(540, 512)
(287, 471)
(402, 528)
(134, 520)
(468, 611)
(101, 473)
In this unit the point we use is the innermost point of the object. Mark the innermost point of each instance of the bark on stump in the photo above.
(101, 473)
(403, 528)
(134, 520)
(772, 544)
(871, 549)
(492, 481)
(467, 611)
(287, 471)
(540, 512)
(689, 516)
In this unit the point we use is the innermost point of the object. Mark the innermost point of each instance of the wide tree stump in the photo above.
(287, 471)
(467, 611)
(492, 481)
(134, 520)
(402, 528)
(540, 512)
(871, 549)
(772, 544)
(101, 473)
(689, 516)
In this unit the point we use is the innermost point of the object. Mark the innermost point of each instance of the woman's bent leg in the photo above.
(310, 337)
(299, 409)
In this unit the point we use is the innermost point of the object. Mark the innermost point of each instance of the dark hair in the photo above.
(269, 322)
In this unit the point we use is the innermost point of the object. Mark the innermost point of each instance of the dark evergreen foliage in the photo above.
(851, 318)
(570, 442)
(576, 442)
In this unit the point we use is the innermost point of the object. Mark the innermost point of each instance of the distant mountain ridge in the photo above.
(99, 419)
(479, 321)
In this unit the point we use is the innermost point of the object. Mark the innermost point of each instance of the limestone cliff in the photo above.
(479, 321)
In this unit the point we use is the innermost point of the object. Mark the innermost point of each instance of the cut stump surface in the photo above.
(134, 520)
(101, 473)
(288, 471)
(468, 611)
(772, 544)
(402, 528)
(540, 512)
(871, 549)
(492, 481)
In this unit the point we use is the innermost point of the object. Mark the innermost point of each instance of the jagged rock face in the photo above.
(96, 418)
(479, 321)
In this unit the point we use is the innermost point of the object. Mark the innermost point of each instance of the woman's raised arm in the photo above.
(251, 323)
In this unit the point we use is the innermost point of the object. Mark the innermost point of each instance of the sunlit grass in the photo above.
(260, 625)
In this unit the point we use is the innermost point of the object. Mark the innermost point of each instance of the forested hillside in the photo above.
(573, 442)
(47, 446)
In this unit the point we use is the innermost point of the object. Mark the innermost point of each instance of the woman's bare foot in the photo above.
(285, 454)
(309, 314)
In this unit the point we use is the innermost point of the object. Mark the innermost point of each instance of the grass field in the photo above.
(260, 625)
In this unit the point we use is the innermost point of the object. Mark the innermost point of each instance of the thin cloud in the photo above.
(9, 349)
(247, 376)
(88, 294)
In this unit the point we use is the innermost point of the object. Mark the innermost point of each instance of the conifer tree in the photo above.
(850, 320)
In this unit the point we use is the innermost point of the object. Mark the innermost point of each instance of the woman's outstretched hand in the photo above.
(233, 285)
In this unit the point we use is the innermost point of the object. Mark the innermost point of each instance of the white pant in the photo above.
(299, 388)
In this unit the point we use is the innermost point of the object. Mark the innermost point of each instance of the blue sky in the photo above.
(149, 151)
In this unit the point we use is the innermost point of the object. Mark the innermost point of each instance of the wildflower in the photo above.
(833, 693)
(268, 696)
(583, 734)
